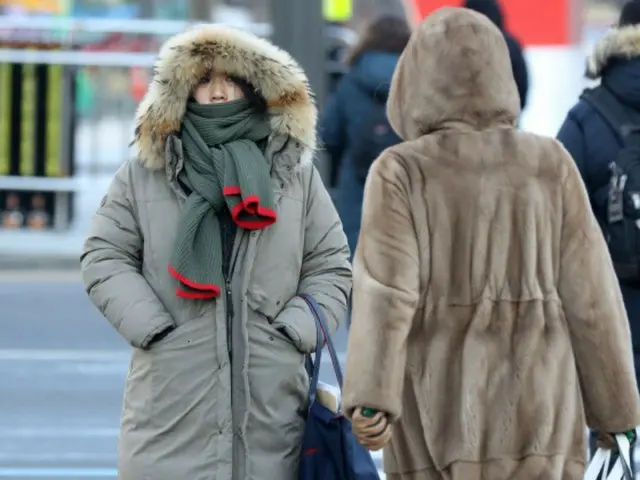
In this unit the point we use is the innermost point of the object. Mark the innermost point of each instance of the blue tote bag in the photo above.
(330, 451)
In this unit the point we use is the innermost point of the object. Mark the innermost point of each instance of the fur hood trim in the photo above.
(185, 58)
(618, 43)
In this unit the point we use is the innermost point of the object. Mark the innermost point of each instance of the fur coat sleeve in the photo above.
(386, 292)
(595, 315)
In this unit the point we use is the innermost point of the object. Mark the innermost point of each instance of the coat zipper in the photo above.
(229, 301)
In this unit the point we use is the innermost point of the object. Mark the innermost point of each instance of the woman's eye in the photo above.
(205, 79)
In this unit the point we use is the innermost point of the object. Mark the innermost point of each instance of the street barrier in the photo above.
(37, 105)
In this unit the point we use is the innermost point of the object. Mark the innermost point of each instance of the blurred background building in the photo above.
(72, 72)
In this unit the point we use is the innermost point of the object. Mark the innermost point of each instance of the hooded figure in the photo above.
(487, 321)
(196, 256)
(493, 11)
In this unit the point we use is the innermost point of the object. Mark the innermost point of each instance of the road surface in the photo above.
(62, 370)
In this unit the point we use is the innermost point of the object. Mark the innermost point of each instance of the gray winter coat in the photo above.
(188, 412)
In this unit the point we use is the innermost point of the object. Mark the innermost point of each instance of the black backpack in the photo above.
(621, 225)
(373, 137)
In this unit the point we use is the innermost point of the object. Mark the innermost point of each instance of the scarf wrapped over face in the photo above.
(223, 168)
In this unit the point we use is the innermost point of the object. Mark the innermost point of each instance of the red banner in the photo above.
(533, 22)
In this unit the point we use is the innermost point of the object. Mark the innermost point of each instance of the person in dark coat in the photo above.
(492, 10)
(371, 64)
(589, 139)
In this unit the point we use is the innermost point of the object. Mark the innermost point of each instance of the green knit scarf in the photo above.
(223, 168)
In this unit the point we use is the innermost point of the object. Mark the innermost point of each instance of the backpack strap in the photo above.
(610, 109)
(626, 130)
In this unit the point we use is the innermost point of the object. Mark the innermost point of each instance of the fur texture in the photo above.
(473, 95)
(186, 58)
(487, 320)
(621, 42)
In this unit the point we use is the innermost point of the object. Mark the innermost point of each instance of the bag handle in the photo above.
(624, 449)
(322, 333)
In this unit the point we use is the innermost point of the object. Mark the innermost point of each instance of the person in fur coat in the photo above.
(488, 326)
(198, 252)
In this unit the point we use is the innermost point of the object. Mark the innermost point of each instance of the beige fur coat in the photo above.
(487, 319)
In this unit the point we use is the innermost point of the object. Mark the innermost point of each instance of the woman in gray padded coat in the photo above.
(196, 255)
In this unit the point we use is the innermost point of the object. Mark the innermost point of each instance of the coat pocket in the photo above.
(265, 310)
(185, 367)
(288, 319)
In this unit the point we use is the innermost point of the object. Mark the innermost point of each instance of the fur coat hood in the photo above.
(185, 58)
(431, 89)
(617, 44)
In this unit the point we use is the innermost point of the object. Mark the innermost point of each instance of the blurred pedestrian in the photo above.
(354, 128)
(337, 35)
(493, 10)
(594, 143)
(196, 256)
(487, 322)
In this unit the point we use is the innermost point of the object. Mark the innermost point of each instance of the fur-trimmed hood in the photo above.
(185, 58)
(455, 70)
(619, 43)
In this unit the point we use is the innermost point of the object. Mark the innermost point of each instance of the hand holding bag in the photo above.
(611, 464)
(330, 451)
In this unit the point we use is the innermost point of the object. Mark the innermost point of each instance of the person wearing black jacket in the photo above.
(492, 10)
(593, 144)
